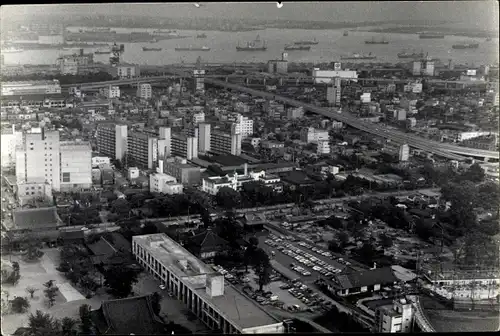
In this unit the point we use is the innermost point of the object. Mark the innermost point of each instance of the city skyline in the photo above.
(470, 14)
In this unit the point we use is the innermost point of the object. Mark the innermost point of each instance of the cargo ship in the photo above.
(430, 36)
(413, 55)
(102, 52)
(201, 35)
(313, 42)
(373, 41)
(254, 45)
(297, 47)
(204, 48)
(357, 56)
(151, 49)
(466, 46)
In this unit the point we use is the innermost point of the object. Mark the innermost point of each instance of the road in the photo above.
(444, 150)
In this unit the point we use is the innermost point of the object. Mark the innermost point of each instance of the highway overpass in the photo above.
(441, 149)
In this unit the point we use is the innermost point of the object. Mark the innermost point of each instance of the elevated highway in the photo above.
(441, 149)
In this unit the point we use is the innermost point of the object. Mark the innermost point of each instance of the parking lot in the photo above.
(307, 261)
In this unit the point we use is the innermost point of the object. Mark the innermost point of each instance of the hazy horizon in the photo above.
(469, 14)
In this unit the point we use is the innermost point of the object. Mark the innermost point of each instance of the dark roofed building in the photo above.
(114, 250)
(253, 221)
(362, 281)
(206, 245)
(297, 178)
(128, 316)
(40, 222)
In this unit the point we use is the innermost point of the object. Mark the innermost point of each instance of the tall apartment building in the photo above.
(38, 158)
(144, 91)
(164, 142)
(244, 126)
(26, 88)
(184, 146)
(112, 140)
(76, 165)
(203, 291)
(142, 149)
(225, 142)
(204, 135)
(311, 135)
(10, 140)
(333, 92)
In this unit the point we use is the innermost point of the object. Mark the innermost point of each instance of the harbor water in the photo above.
(332, 45)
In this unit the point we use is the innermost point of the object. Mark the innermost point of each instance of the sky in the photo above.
(482, 14)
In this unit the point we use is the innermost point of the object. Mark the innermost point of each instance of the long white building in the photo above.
(26, 88)
(10, 140)
(202, 290)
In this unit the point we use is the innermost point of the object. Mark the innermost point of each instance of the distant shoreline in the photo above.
(441, 30)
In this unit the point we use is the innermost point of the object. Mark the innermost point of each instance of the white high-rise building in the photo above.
(204, 136)
(76, 165)
(323, 147)
(39, 158)
(144, 91)
(244, 126)
(10, 140)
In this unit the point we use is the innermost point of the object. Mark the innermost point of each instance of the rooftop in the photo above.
(36, 218)
(233, 305)
(366, 278)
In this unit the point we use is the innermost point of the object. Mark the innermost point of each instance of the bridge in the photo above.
(420, 318)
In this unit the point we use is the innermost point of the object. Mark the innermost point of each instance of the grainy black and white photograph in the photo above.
(250, 168)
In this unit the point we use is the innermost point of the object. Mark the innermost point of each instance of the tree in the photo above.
(85, 319)
(385, 241)
(149, 228)
(155, 303)
(50, 292)
(19, 304)
(366, 253)
(343, 239)
(262, 267)
(88, 283)
(33, 253)
(41, 324)
(120, 280)
(31, 291)
(475, 174)
(15, 275)
(227, 198)
(68, 325)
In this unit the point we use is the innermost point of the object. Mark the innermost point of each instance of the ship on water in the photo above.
(313, 42)
(488, 39)
(413, 55)
(254, 45)
(430, 36)
(102, 52)
(357, 56)
(465, 46)
(346, 33)
(297, 47)
(204, 48)
(11, 50)
(201, 35)
(373, 41)
(151, 49)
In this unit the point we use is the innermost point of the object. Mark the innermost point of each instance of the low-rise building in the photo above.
(202, 290)
(184, 172)
(99, 160)
(212, 185)
(395, 318)
(364, 281)
(33, 190)
(164, 183)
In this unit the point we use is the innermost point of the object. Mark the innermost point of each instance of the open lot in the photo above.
(35, 274)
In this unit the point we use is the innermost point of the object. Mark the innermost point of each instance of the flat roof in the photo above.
(233, 305)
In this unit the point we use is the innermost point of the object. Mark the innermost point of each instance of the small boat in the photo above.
(357, 56)
(314, 42)
(204, 48)
(201, 35)
(254, 45)
(102, 52)
(151, 49)
(466, 46)
(11, 50)
(488, 39)
(346, 33)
